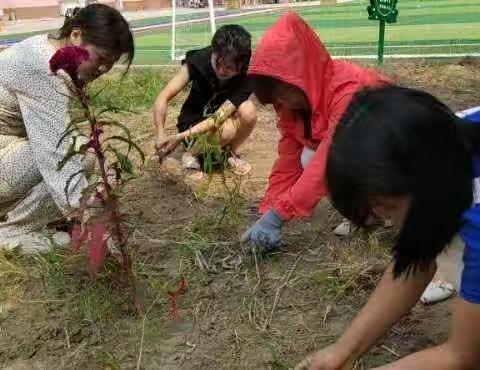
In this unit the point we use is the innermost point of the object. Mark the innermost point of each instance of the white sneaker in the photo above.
(437, 291)
(190, 162)
(344, 229)
(61, 239)
(36, 242)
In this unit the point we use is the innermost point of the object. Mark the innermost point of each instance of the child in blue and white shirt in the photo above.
(450, 262)
(402, 155)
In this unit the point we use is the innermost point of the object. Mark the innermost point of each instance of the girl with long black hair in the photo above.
(401, 154)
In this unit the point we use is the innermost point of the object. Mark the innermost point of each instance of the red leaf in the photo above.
(97, 245)
(79, 235)
(173, 297)
(69, 58)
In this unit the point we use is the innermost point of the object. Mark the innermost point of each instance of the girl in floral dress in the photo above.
(34, 116)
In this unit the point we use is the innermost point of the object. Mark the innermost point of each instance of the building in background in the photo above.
(66, 6)
(26, 9)
(127, 5)
(2, 19)
(29, 9)
(134, 5)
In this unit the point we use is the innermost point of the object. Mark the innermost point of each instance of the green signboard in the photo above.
(384, 11)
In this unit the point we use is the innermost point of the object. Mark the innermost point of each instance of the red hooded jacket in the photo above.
(291, 52)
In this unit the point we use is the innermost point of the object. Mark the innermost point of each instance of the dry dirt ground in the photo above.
(238, 312)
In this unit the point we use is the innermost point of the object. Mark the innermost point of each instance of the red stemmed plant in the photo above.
(98, 219)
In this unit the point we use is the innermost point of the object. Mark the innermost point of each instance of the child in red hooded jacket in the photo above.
(310, 91)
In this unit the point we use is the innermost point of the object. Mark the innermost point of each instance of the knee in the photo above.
(247, 113)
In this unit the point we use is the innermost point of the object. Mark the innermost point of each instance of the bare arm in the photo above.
(391, 300)
(166, 145)
(176, 84)
(460, 352)
(221, 115)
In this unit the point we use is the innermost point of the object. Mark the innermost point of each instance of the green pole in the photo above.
(381, 42)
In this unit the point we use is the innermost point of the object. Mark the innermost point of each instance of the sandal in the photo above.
(239, 166)
(190, 162)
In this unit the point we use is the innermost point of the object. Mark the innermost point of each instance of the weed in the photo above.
(14, 273)
(354, 269)
(215, 159)
(95, 304)
(107, 361)
(278, 363)
(12, 268)
(137, 92)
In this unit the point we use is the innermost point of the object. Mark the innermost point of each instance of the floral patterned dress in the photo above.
(33, 117)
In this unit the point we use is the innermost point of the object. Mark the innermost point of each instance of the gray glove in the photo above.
(266, 232)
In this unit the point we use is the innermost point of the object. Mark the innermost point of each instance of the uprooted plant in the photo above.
(216, 158)
(98, 221)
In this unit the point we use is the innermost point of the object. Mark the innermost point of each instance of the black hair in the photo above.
(103, 27)
(233, 42)
(267, 89)
(396, 141)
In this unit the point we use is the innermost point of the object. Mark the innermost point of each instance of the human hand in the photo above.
(266, 232)
(328, 358)
(165, 145)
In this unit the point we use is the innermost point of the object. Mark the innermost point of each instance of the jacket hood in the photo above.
(291, 51)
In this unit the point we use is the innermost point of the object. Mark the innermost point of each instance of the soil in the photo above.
(226, 311)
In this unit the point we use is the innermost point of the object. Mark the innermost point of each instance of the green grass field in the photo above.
(423, 27)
